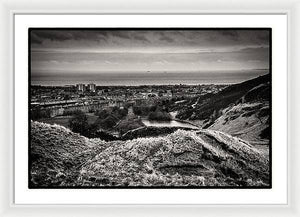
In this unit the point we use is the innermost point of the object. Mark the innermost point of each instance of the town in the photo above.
(63, 100)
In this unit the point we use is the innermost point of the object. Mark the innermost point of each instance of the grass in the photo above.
(57, 153)
(64, 120)
(183, 158)
(128, 124)
(209, 104)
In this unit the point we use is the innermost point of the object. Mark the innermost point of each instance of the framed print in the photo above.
(150, 108)
(166, 111)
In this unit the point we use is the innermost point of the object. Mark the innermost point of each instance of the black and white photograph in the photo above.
(150, 108)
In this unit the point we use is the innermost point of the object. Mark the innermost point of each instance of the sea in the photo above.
(147, 78)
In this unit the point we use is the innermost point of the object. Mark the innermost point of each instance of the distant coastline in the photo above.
(146, 78)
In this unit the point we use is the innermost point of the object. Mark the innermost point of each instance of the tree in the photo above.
(153, 108)
(102, 114)
(38, 113)
(67, 97)
(79, 123)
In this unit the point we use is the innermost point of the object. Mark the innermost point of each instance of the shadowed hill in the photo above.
(57, 154)
(249, 118)
(208, 107)
(183, 158)
(249, 121)
(241, 110)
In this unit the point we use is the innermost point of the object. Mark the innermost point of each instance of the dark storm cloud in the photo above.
(263, 37)
(167, 39)
(154, 38)
(121, 34)
(35, 39)
(38, 36)
(231, 34)
(141, 38)
(243, 37)
(155, 50)
(52, 35)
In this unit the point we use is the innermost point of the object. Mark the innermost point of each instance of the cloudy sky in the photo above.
(69, 52)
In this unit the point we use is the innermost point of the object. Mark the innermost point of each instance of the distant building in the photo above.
(80, 87)
(91, 87)
(130, 113)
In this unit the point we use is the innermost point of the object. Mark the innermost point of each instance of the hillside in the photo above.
(128, 124)
(249, 121)
(209, 106)
(57, 154)
(241, 110)
(183, 158)
(249, 118)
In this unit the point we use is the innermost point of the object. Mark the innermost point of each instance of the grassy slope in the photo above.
(57, 154)
(249, 118)
(183, 158)
(204, 106)
(246, 121)
(64, 120)
(128, 124)
(241, 110)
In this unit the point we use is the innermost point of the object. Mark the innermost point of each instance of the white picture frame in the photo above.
(8, 12)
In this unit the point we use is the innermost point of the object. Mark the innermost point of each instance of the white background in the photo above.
(276, 195)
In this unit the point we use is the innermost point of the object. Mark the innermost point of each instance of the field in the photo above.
(64, 120)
